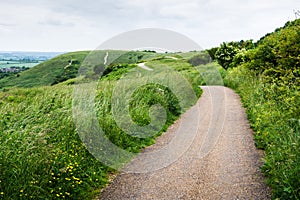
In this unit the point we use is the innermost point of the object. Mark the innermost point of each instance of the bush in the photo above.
(225, 55)
(270, 89)
(200, 59)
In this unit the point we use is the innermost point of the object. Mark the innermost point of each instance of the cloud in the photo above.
(55, 22)
(84, 24)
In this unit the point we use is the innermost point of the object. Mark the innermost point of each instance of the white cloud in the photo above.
(84, 24)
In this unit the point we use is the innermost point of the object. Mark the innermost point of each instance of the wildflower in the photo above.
(2, 193)
(21, 191)
(77, 179)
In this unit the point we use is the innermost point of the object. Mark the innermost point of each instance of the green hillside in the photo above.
(43, 157)
(41, 153)
(65, 67)
(44, 73)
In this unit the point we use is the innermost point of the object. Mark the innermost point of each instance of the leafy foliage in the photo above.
(200, 59)
(277, 57)
(268, 82)
(231, 54)
(225, 55)
(115, 71)
(70, 71)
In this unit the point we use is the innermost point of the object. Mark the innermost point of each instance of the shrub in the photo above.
(270, 89)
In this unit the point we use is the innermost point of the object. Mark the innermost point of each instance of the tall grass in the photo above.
(273, 110)
(41, 154)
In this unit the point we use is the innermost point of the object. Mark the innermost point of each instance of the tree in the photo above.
(225, 55)
(212, 52)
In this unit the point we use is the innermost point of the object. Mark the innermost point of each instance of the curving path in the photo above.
(220, 163)
(105, 58)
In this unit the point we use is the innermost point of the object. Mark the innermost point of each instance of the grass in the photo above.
(44, 73)
(273, 111)
(41, 153)
(268, 80)
(59, 68)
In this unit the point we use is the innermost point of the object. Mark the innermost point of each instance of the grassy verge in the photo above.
(41, 154)
(273, 111)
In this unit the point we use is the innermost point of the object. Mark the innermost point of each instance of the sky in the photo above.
(72, 25)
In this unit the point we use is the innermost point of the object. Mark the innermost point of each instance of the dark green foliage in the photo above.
(150, 51)
(225, 55)
(212, 52)
(277, 56)
(238, 46)
(2, 75)
(70, 71)
(200, 59)
(12, 71)
(115, 71)
(268, 83)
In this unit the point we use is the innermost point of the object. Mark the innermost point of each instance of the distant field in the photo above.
(8, 64)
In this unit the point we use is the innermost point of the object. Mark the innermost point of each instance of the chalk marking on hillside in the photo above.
(143, 66)
(105, 58)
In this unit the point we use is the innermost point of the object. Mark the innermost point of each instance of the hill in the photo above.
(46, 72)
(42, 155)
(65, 67)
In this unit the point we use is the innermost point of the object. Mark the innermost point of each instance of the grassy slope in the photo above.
(41, 155)
(44, 73)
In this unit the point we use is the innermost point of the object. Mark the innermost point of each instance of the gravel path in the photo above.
(220, 163)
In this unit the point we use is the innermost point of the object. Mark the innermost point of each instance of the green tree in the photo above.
(225, 55)
(212, 52)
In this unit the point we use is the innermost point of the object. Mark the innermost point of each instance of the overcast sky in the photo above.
(70, 25)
